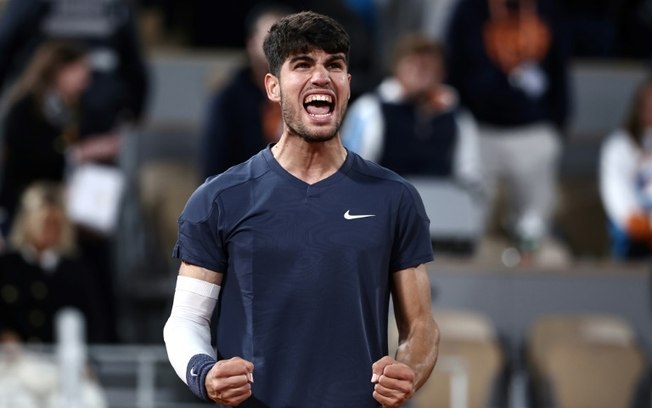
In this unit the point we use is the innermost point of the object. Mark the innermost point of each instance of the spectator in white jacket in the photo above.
(411, 122)
(626, 179)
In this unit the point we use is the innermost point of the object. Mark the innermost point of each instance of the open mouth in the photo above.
(318, 104)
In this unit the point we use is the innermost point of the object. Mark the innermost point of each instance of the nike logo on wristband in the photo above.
(193, 373)
(348, 216)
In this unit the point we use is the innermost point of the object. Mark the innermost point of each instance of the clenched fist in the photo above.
(229, 381)
(394, 382)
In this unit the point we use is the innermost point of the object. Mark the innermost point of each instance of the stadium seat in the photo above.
(584, 360)
(457, 215)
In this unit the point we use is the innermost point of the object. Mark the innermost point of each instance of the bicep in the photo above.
(197, 272)
(411, 297)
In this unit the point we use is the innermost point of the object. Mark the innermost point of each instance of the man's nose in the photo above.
(320, 75)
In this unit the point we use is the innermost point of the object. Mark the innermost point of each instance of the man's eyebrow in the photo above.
(301, 57)
(308, 57)
(336, 57)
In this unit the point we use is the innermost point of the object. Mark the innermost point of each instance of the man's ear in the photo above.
(273, 88)
(349, 78)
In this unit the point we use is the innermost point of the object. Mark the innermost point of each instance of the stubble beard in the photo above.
(297, 128)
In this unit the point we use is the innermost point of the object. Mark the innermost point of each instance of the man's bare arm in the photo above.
(198, 272)
(417, 329)
(397, 379)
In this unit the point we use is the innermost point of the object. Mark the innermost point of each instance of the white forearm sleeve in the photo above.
(187, 331)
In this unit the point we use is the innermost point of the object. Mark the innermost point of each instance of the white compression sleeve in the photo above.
(187, 331)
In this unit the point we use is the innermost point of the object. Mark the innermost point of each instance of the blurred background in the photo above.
(526, 125)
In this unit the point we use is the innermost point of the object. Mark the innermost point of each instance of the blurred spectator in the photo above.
(32, 379)
(508, 62)
(42, 121)
(43, 140)
(41, 273)
(118, 87)
(117, 91)
(240, 120)
(411, 123)
(626, 179)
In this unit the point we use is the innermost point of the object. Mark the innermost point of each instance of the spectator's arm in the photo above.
(467, 164)
(364, 127)
(617, 183)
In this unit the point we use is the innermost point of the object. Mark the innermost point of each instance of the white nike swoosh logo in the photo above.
(193, 373)
(348, 216)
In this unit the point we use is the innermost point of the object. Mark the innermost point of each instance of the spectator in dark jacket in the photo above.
(508, 61)
(240, 120)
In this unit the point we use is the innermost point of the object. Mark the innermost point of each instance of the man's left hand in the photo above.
(394, 382)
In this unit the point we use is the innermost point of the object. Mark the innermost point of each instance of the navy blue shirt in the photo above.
(307, 272)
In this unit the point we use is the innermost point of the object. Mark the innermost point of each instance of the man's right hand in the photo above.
(229, 381)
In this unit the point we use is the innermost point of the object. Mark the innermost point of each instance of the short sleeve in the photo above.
(412, 244)
(199, 240)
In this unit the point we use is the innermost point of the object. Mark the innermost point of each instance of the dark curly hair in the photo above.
(301, 33)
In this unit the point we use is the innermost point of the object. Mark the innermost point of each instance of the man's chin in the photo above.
(319, 136)
(312, 138)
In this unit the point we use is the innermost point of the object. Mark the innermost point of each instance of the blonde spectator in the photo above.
(41, 273)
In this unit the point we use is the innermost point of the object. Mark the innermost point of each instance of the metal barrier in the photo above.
(458, 370)
(139, 376)
(72, 374)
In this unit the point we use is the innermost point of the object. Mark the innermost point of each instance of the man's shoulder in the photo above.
(372, 170)
(203, 198)
(253, 168)
(393, 185)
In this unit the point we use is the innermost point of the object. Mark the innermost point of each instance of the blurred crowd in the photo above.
(73, 76)
(473, 92)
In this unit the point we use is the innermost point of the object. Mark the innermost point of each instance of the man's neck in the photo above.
(309, 162)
